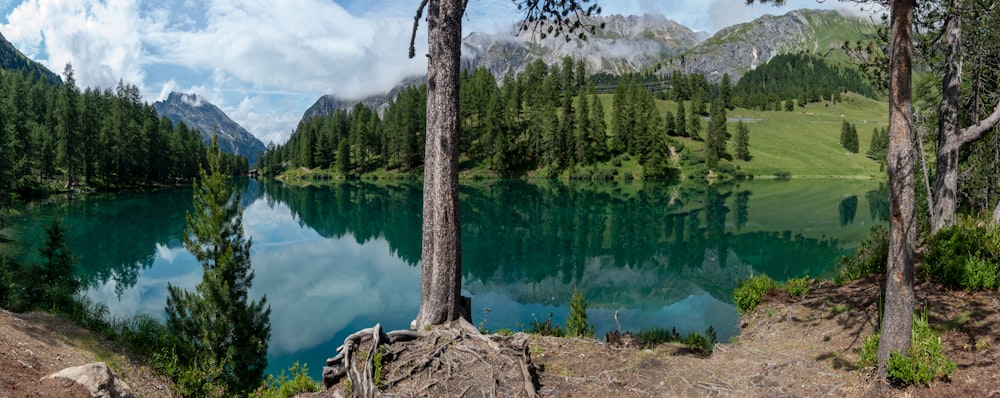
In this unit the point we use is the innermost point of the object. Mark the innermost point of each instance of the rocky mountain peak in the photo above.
(197, 112)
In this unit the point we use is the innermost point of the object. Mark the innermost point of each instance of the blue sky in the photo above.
(264, 62)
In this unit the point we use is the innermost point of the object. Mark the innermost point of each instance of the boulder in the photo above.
(96, 378)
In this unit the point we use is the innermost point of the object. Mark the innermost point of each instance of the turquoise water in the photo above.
(335, 259)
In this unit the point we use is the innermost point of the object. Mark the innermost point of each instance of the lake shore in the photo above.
(795, 347)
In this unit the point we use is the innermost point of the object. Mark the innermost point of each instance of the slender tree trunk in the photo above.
(950, 138)
(946, 184)
(441, 274)
(897, 319)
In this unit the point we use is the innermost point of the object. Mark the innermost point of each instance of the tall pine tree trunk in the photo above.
(950, 138)
(897, 319)
(946, 184)
(441, 274)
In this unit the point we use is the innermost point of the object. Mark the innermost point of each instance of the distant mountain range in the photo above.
(13, 60)
(196, 112)
(745, 46)
(650, 43)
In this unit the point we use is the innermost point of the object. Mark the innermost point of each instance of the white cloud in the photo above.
(101, 39)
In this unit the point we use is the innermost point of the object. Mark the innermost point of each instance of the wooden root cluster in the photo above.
(453, 360)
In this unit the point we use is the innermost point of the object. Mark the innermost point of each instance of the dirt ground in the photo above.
(787, 347)
(35, 345)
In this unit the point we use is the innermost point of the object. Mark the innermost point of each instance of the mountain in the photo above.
(625, 44)
(329, 103)
(742, 47)
(196, 112)
(13, 60)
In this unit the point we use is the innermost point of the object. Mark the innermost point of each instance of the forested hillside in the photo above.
(55, 137)
(550, 121)
(802, 77)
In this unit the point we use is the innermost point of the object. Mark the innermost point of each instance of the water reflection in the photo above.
(334, 259)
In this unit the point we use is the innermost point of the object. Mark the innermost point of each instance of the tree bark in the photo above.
(441, 273)
(897, 319)
(950, 139)
(946, 184)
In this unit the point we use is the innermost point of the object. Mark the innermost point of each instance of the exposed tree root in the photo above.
(454, 360)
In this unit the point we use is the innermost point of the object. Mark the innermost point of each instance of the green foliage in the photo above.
(783, 175)
(742, 142)
(870, 258)
(545, 328)
(868, 353)
(576, 324)
(802, 76)
(285, 387)
(219, 336)
(51, 284)
(965, 256)
(749, 292)
(922, 363)
(879, 148)
(703, 343)
(797, 287)
(849, 137)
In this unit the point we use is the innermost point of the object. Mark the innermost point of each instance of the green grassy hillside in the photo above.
(805, 142)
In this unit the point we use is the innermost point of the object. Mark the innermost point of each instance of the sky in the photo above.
(264, 62)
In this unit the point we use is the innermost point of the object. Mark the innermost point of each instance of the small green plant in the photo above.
(545, 328)
(378, 363)
(840, 309)
(576, 324)
(482, 324)
(749, 292)
(797, 287)
(923, 362)
(703, 343)
(783, 175)
(285, 387)
(965, 256)
(870, 258)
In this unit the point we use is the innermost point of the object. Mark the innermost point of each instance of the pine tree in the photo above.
(742, 141)
(845, 129)
(715, 143)
(344, 156)
(598, 128)
(220, 336)
(68, 129)
(852, 140)
(694, 126)
(576, 324)
(681, 122)
(726, 92)
(52, 283)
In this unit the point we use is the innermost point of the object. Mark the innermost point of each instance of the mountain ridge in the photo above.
(198, 113)
(745, 46)
(12, 59)
(658, 44)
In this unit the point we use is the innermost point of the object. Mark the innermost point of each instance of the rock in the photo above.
(96, 378)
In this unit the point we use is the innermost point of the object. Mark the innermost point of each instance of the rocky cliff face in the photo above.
(626, 44)
(743, 47)
(203, 115)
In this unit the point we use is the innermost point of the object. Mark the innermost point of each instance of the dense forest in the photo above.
(58, 137)
(804, 77)
(549, 119)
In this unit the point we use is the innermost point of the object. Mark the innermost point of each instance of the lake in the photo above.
(339, 258)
